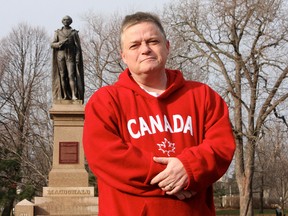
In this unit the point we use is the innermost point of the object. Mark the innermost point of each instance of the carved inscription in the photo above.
(68, 152)
(68, 192)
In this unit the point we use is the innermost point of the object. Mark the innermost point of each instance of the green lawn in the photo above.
(236, 211)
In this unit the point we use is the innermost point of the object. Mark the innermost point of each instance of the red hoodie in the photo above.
(125, 127)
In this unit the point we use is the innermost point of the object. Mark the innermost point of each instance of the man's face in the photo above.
(66, 21)
(144, 48)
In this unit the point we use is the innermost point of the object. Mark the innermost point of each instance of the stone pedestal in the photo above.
(67, 192)
(24, 208)
(68, 156)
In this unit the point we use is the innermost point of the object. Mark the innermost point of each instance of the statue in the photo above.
(67, 72)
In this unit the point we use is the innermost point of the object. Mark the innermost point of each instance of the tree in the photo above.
(271, 177)
(101, 51)
(272, 160)
(243, 45)
(25, 127)
(182, 56)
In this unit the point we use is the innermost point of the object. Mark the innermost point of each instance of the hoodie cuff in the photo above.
(186, 165)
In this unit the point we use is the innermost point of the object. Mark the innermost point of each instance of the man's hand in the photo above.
(184, 194)
(173, 179)
(60, 43)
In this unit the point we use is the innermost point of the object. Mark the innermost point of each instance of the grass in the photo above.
(236, 212)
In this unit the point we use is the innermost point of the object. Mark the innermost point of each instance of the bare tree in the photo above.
(183, 56)
(25, 126)
(271, 176)
(272, 160)
(243, 45)
(100, 42)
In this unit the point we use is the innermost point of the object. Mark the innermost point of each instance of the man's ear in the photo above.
(168, 45)
(123, 56)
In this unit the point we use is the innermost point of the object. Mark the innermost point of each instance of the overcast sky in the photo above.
(49, 13)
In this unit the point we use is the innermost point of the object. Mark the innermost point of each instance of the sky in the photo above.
(49, 13)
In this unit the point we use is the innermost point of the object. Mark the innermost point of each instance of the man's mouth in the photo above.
(148, 59)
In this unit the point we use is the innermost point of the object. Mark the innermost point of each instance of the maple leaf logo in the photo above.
(167, 147)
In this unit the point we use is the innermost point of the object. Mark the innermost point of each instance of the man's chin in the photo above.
(150, 67)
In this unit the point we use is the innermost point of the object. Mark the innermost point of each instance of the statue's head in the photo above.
(67, 20)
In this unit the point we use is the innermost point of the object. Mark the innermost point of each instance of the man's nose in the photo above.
(145, 48)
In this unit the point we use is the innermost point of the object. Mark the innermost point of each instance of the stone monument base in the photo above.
(68, 178)
(24, 208)
(67, 193)
(66, 206)
(67, 201)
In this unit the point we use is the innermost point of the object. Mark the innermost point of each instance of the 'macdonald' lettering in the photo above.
(154, 124)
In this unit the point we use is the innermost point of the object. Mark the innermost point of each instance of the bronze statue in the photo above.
(68, 72)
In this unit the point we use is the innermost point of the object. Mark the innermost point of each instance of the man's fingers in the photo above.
(174, 190)
(168, 187)
(183, 194)
(187, 194)
(173, 176)
(161, 160)
(180, 196)
(159, 178)
(172, 186)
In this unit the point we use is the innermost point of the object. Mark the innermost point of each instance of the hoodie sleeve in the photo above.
(208, 161)
(114, 161)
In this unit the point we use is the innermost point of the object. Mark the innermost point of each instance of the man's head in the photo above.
(144, 47)
(67, 20)
(139, 17)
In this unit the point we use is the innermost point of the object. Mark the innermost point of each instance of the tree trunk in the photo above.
(8, 208)
(246, 197)
(262, 194)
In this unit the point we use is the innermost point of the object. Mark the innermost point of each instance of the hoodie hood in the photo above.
(175, 81)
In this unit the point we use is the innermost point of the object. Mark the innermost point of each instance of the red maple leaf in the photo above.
(166, 147)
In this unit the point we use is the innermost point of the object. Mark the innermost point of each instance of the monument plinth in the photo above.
(67, 192)
(68, 168)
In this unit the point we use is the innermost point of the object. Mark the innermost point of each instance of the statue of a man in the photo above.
(68, 73)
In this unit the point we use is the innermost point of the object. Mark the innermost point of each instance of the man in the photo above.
(68, 75)
(155, 141)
